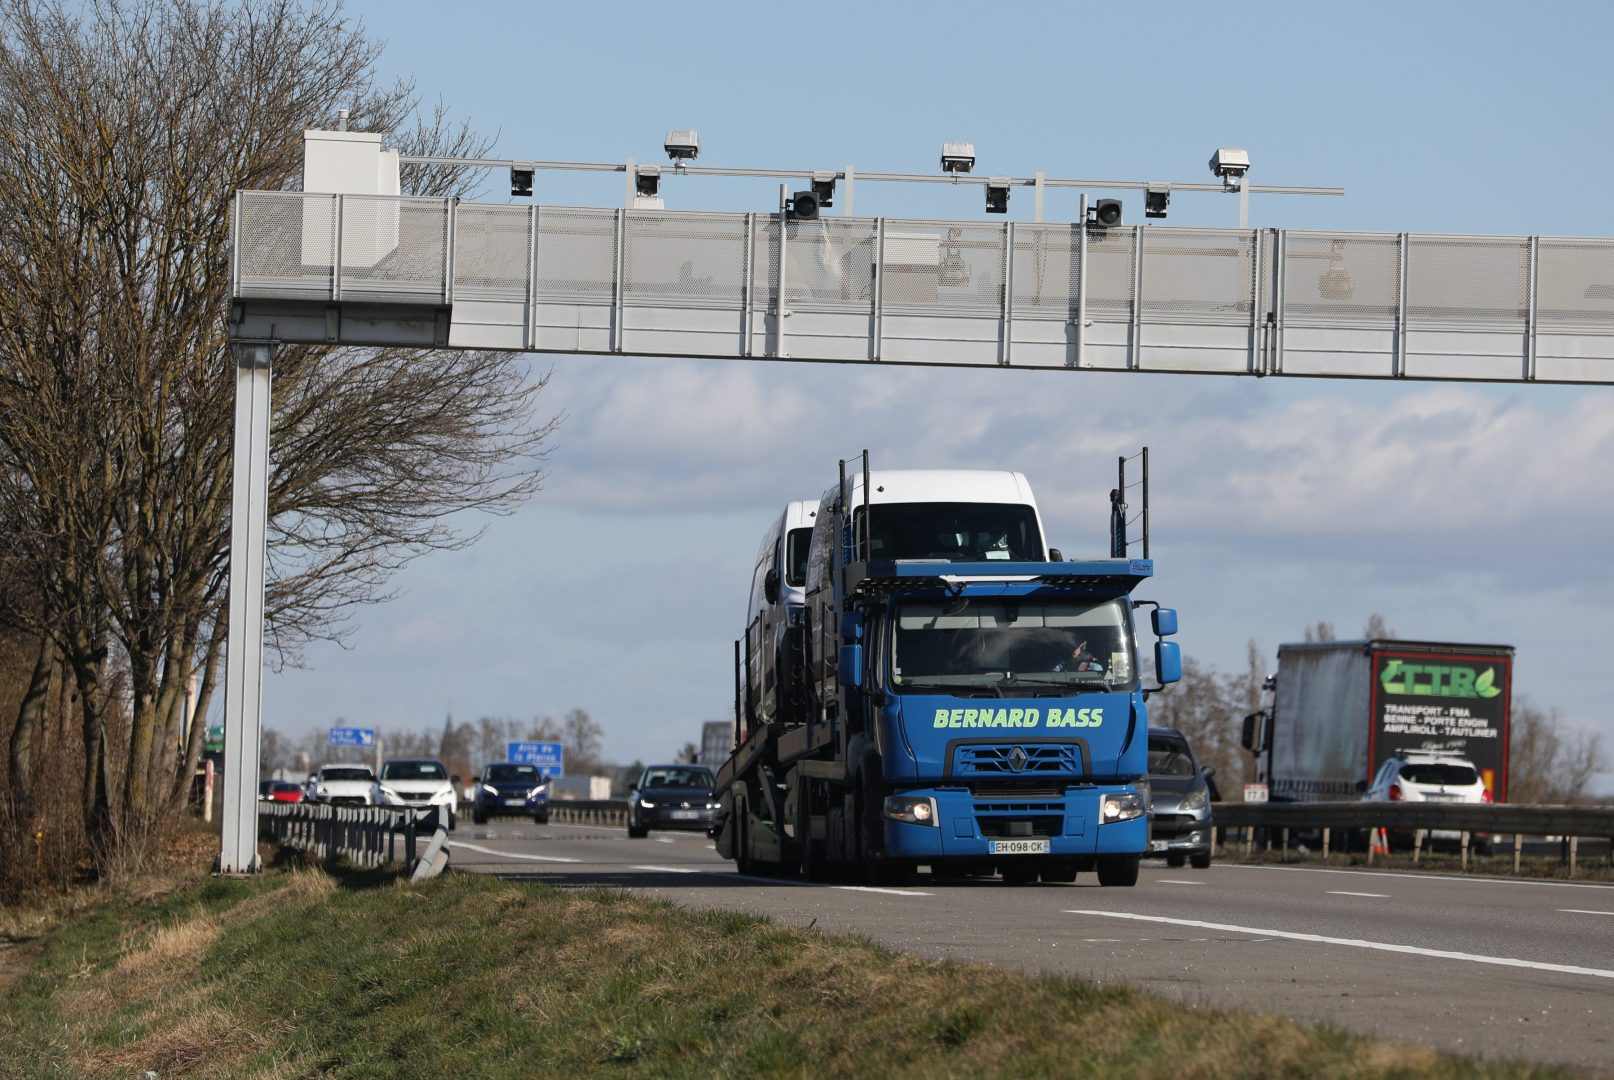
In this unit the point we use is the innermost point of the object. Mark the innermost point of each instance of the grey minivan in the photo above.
(1180, 818)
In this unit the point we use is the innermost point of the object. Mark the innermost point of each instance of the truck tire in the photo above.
(1119, 870)
(742, 838)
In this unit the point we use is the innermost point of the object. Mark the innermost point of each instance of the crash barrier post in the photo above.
(434, 860)
(611, 813)
(1374, 819)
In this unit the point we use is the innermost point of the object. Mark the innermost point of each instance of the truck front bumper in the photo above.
(971, 828)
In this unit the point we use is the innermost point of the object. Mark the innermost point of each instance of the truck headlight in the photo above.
(1196, 800)
(1121, 808)
(915, 811)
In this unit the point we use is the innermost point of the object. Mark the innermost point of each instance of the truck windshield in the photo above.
(1007, 644)
(796, 545)
(957, 532)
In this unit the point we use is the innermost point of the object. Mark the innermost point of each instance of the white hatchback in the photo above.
(421, 783)
(1430, 778)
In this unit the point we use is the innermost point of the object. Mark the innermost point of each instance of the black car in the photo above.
(1180, 800)
(507, 789)
(672, 797)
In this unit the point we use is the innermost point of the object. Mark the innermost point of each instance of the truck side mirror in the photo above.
(850, 666)
(851, 626)
(1055, 555)
(1167, 661)
(1254, 736)
(1165, 622)
(770, 587)
(1207, 771)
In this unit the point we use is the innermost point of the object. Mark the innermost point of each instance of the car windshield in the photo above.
(286, 785)
(1446, 774)
(1170, 757)
(527, 774)
(957, 532)
(347, 772)
(413, 770)
(1005, 642)
(691, 776)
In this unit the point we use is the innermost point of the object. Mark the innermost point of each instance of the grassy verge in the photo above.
(302, 973)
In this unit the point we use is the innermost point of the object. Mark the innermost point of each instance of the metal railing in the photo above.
(1572, 823)
(1262, 302)
(606, 812)
(367, 836)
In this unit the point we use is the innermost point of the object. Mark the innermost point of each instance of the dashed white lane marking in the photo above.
(510, 854)
(1583, 911)
(1175, 881)
(669, 869)
(1356, 943)
(1374, 895)
(888, 892)
(664, 840)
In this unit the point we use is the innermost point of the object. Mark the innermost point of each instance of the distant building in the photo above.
(717, 739)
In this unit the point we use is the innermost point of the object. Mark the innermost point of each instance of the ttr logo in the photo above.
(1432, 680)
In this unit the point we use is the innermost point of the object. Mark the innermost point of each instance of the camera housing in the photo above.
(1230, 164)
(957, 157)
(682, 145)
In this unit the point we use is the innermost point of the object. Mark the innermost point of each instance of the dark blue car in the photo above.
(508, 790)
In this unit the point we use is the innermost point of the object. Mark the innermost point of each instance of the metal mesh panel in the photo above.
(1457, 280)
(492, 246)
(286, 244)
(1575, 282)
(943, 267)
(1330, 279)
(694, 259)
(1109, 274)
(394, 249)
(1047, 262)
(1198, 274)
(765, 262)
(829, 264)
(576, 254)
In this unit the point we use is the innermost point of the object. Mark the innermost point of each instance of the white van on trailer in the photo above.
(774, 617)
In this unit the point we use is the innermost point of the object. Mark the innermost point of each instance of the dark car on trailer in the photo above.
(672, 797)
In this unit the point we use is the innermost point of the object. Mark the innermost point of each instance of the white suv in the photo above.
(1429, 778)
(343, 785)
(419, 783)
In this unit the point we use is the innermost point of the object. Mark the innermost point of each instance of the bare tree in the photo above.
(1548, 763)
(582, 738)
(1321, 631)
(1377, 629)
(125, 128)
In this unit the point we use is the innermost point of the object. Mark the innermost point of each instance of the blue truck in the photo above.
(973, 703)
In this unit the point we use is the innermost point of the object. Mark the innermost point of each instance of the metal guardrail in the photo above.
(364, 269)
(365, 836)
(610, 812)
(1420, 819)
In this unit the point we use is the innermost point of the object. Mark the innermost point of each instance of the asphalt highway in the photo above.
(1486, 966)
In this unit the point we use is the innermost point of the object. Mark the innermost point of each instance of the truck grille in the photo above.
(1015, 789)
(1016, 759)
(1041, 825)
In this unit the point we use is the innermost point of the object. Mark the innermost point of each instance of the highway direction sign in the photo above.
(550, 757)
(352, 736)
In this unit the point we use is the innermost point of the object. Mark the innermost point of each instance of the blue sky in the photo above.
(1458, 512)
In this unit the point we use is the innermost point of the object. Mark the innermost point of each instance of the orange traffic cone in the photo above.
(1381, 843)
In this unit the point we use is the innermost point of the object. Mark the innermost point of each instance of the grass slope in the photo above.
(306, 974)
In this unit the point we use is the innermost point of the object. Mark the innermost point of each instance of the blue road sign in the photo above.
(352, 736)
(538, 753)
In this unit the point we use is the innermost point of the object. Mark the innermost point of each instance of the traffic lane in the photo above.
(1452, 1004)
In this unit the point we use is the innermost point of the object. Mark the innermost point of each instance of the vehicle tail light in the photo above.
(1485, 795)
(1395, 793)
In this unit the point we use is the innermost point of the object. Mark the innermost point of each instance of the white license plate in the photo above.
(1019, 847)
(1157, 845)
(515, 802)
(685, 815)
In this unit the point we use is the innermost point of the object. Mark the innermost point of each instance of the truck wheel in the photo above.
(742, 839)
(1200, 860)
(1119, 870)
(1018, 873)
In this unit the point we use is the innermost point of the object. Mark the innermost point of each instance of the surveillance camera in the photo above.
(824, 188)
(997, 195)
(520, 180)
(1156, 198)
(804, 206)
(1229, 163)
(683, 145)
(1104, 213)
(647, 180)
(957, 157)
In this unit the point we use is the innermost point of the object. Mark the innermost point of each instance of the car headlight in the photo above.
(535, 792)
(647, 804)
(714, 806)
(491, 790)
(1196, 800)
(320, 790)
(1121, 808)
(914, 811)
(387, 793)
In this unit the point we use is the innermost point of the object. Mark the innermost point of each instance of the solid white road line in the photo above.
(669, 869)
(1415, 876)
(1583, 911)
(509, 854)
(888, 892)
(1175, 881)
(1374, 895)
(1356, 943)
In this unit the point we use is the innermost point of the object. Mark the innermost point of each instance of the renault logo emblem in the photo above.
(1017, 758)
